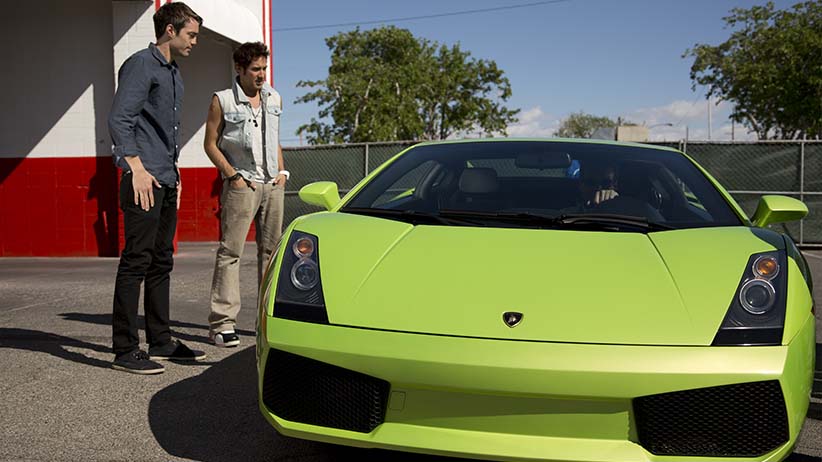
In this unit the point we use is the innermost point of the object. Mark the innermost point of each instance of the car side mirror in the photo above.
(322, 193)
(778, 209)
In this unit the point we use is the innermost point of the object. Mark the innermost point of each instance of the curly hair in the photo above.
(177, 14)
(248, 52)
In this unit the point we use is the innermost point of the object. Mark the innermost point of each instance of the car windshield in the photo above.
(544, 184)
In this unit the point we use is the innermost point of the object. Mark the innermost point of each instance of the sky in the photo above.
(614, 58)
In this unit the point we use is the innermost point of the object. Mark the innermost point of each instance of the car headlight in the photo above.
(757, 296)
(299, 293)
(756, 315)
(305, 274)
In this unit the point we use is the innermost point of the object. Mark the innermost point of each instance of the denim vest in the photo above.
(235, 139)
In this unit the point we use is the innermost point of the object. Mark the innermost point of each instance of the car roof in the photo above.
(551, 140)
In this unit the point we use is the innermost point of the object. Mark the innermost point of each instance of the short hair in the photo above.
(175, 13)
(248, 52)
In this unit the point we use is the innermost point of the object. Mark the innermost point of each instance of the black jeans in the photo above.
(148, 255)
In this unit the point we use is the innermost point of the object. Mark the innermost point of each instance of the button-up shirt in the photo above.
(145, 116)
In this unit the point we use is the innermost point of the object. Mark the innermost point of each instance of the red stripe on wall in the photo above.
(156, 5)
(51, 206)
(70, 207)
(199, 216)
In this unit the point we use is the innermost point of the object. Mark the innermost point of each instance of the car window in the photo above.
(548, 179)
(405, 185)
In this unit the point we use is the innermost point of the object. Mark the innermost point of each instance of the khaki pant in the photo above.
(263, 205)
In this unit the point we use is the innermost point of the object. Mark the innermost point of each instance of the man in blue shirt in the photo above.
(144, 124)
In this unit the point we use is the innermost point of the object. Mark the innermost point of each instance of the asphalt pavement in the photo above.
(61, 401)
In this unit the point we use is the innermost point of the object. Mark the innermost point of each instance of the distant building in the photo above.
(632, 133)
(636, 133)
(58, 184)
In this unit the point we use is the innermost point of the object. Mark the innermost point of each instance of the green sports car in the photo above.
(556, 299)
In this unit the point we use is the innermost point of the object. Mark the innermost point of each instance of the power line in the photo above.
(412, 18)
(689, 107)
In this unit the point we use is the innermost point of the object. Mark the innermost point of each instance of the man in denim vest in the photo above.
(242, 140)
(145, 127)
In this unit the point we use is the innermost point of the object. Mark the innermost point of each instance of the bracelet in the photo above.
(286, 173)
(234, 176)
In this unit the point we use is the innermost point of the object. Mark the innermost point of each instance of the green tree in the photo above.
(770, 69)
(385, 84)
(457, 95)
(582, 125)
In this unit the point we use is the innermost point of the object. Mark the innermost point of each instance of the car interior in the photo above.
(547, 184)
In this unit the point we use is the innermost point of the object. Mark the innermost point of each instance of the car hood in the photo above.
(663, 288)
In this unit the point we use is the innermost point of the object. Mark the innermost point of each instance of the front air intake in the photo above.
(741, 420)
(304, 390)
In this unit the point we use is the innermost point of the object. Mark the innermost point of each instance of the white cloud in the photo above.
(679, 111)
(534, 123)
(686, 118)
(690, 119)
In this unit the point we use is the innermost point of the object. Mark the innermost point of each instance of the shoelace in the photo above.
(140, 354)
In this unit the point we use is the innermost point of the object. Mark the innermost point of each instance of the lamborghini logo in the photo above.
(512, 318)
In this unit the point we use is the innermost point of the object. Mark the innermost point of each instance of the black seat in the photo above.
(478, 190)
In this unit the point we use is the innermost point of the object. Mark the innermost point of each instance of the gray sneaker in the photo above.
(225, 339)
(137, 362)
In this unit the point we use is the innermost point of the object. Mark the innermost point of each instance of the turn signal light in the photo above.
(766, 267)
(304, 247)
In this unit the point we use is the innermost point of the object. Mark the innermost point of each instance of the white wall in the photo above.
(133, 29)
(57, 79)
(59, 87)
(208, 69)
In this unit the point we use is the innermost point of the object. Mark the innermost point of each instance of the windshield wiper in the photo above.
(599, 221)
(607, 220)
(518, 217)
(411, 216)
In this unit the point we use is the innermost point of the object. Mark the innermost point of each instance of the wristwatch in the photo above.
(234, 176)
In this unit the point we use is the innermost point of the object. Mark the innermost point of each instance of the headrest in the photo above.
(478, 180)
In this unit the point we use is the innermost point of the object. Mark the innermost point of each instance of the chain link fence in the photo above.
(747, 169)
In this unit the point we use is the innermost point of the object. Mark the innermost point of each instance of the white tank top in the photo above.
(257, 145)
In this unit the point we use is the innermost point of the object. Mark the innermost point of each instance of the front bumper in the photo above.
(518, 400)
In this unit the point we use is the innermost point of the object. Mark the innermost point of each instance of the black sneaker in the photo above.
(175, 350)
(137, 362)
(225, 339)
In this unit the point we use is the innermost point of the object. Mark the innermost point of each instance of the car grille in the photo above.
(747, 419)
(304, 390)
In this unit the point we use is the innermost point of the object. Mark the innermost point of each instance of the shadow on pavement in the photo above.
(53, 344)
(105, 319)
(802, 458)
(214, 417)
(815, 408)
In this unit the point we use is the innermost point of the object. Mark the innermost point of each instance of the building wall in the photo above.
(54, 189)
(58, 184)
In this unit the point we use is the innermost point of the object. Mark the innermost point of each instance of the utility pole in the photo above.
(710, 120)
